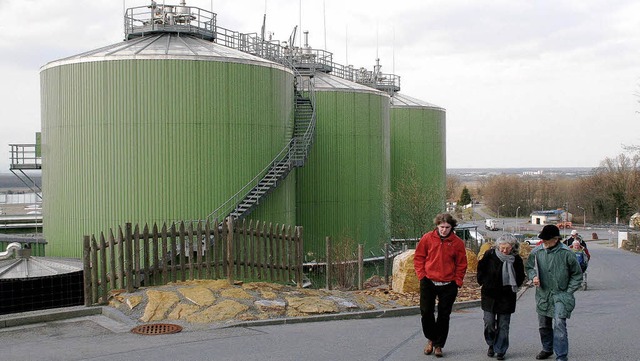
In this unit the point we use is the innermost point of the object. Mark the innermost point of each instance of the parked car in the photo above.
(532, 241)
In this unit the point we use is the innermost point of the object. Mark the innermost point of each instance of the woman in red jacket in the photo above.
(440, 262)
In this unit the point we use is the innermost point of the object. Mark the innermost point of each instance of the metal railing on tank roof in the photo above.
(158, 18)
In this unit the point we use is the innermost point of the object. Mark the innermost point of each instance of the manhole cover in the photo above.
(156, 329)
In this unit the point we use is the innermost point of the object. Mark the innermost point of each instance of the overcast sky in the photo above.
(535, 83)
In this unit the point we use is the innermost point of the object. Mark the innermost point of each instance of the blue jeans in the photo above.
(554, 338)
(496, 330)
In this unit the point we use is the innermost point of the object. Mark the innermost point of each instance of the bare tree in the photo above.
(414, 205)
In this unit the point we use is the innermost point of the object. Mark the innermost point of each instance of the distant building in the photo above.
(537, 172)
(550, 216)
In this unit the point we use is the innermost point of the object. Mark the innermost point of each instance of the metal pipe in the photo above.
(13, 247)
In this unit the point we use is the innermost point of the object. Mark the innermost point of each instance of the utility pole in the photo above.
(584, 217)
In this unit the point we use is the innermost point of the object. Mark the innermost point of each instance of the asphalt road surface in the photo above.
(605, 326)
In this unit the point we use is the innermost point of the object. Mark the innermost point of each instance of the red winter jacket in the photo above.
(441, 260)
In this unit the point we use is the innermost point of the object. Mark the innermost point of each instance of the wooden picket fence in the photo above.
(144, 256)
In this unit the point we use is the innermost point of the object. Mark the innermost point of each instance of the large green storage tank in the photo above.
(418, 163)
(343, 188)
(161, 127)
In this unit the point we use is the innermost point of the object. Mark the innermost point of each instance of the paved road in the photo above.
(604, 327)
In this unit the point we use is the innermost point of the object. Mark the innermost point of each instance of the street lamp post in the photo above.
(502, 205)
(517, 209)
(584, 217)
(473, 215)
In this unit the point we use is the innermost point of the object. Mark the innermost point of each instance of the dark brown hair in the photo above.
(445, 218)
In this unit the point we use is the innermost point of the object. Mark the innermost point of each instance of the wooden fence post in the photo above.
(386, 263)
(360, 266)
(328, 265)
(183, 250)
(95, 270)
(112, 261)
(135, 244)
(129, 256)
(299, 257)
(104, 290)
(86, 247)
(230, 260)
(120, 262)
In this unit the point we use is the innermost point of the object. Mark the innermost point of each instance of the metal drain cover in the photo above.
(156, 329)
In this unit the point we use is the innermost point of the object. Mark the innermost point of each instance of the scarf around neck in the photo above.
(508, 273)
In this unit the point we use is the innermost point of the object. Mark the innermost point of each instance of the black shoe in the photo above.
(543, 355)
(490, 352)
(500, 356)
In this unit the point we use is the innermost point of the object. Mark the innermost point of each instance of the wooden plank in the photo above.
(104, 287)
(260, 245)
(271, 253)
(281, 252)
(230, 225)
(183, 252)
(328, 268)
(86, 265)
(189, 250)
(216, 245)
(360, 266)
(155, 261)
(208, 257)
(173, 251)
(299, 257)
(146, 257)
(165, 255)
(199, 250)
(386, 263)
(135, 245)
(253, 258)
(289, 275)
(120, 241)
(237, 248)
(112, 261)
(95, 289)
(128, 257)
(245, 249)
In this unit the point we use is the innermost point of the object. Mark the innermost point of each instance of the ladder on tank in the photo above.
(293, 155)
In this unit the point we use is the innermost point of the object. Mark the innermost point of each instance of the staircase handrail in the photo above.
(282, 158)
(230, 204)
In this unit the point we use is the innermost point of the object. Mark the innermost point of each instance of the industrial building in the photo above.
(186, 120)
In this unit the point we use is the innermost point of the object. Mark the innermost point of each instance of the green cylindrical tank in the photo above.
(343, 188)
(159, 128)
(418, 165)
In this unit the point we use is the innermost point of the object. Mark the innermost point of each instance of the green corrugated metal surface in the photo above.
(155, 140)
(418, 142)
(343, 188)
(38, 143)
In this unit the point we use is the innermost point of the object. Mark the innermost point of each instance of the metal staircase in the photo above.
(293, 155)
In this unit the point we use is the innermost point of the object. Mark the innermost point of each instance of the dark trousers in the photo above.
(434, 329)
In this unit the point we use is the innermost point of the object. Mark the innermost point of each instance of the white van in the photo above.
(491, 224)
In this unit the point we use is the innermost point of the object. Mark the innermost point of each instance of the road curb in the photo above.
(58, 314)
(54, 314)
(392, 312)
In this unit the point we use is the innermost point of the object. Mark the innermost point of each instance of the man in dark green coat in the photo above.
(556, 274)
